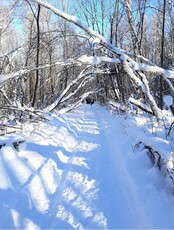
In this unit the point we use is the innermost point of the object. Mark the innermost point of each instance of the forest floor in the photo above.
(84, 169)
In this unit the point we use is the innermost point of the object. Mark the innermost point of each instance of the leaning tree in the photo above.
(137, 71)
(99, 68)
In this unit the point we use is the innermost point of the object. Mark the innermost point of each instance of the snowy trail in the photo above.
(136, 189)
(126, 200)
(80, 171)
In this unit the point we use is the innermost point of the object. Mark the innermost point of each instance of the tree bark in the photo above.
(37, 57)
(162, 54)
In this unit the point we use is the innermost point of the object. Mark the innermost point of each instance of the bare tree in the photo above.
(61, 65)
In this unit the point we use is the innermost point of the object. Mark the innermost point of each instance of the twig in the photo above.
(171, 126)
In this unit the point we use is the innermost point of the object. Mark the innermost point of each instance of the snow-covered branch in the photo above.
(82, 98)
(103, 40)
(11, 52)
(3, 92)
(75, 81)
(31, 111)
(143, 85)
(6, 77)
(140, 105)
(163, 161)
(96, 60)
(151, 69)
(112, 105)
(83, 60)
(134, 70)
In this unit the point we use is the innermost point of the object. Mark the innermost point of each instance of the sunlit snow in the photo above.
(85, 169)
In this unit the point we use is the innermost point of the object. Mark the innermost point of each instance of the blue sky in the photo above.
(71, 9)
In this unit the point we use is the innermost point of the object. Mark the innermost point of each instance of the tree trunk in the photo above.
(162, 54)
(37, 57)
(128, 6)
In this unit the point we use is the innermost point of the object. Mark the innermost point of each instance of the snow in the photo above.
(168, 100)
(140, 104)
(85, 169)
(96, 60)
(94, 43)
(152, 69)
(143, 84)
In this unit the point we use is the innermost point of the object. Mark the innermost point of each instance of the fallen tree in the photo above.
(101, 65)
(136, 71)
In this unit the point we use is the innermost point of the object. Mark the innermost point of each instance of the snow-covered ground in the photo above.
(84, 169)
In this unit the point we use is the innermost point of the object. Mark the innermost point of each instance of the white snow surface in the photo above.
(81, 170)
(168, 100)
(97, 60)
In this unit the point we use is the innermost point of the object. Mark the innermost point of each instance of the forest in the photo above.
(86, 114)
(54, 54)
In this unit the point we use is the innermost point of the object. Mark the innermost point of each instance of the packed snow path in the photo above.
(80, 170)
